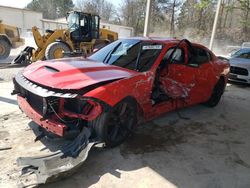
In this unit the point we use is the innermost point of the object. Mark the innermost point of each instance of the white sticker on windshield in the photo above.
(152, 47)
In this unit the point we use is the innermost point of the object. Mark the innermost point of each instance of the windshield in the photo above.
(243, 53)
(73, 21)
(132, 54)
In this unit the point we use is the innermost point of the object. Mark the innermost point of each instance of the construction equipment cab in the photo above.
(83, 27)
(81, 36)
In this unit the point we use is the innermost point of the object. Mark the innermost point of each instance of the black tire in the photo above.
(114, 126)
(5, 48)
(51, 50)
(216, 94)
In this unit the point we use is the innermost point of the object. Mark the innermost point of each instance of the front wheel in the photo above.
(114, 126)
(55, 50)
(4, 49)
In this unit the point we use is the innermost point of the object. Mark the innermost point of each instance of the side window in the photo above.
(244, 55)
(199, 57)
(177, 58)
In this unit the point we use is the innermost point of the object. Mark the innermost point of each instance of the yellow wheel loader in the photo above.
(9, 38)
(80, 38)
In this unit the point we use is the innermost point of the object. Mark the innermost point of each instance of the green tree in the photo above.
(196, 18)
(244, 6)
(170, 8)
(106, 10)
(51, 9)
(132, 13)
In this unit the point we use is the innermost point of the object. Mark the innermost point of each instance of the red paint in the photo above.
(73, 74)
(95, 111)
(187, 85)
(51, 125)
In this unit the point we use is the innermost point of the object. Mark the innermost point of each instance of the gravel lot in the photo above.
(198, 148)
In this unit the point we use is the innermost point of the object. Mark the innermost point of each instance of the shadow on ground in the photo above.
(240, 85)
(183, 152)
(7, 100)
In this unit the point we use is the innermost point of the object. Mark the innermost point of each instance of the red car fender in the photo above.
(138, 87)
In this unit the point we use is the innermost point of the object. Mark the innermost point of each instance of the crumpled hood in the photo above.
(73, 73)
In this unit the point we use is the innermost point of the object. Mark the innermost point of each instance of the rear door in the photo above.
(205, 74)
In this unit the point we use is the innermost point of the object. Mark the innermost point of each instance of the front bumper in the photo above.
(50, 125)
(239, 78)
(59, 164)
(71, 155)
(54, 110)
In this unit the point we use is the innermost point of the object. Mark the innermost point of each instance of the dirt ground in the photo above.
(198, 147)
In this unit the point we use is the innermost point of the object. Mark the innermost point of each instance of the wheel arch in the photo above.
(140, 112)
(117, 90)
(223, 79)
(99, 125)
(106, 105)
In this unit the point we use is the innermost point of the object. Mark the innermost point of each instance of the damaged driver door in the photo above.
(176, 78)
(179, 79)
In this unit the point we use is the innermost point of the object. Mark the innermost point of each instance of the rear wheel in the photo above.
(55, 50)
(216, 94)
(4, 49)
(114, 126)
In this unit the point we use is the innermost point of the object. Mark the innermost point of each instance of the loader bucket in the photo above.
(43, 169)
(24, 57)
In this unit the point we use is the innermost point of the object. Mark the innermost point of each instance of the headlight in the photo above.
(84, 108)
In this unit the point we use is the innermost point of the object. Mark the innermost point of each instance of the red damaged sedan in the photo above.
(127, 81)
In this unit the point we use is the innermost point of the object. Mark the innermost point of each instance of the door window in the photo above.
(244, 55)
(199, 56)
(177, 57)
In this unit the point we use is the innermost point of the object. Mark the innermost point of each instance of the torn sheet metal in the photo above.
(59, 164)
(175, 89)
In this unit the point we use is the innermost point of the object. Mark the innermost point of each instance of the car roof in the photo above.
(165, 40)
(157, 39)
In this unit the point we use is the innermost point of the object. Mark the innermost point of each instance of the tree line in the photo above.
(189, 18)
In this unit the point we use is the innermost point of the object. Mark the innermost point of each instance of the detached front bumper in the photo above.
(60, 163)
(35, 101)
(50, 125)
(56, 165)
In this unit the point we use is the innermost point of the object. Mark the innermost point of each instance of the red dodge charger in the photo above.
(111, 90)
